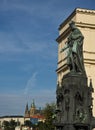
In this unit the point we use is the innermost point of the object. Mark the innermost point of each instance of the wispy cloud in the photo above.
(9, 44)
(25, 31)
(47, 9)
(14, 46)
(31, 83)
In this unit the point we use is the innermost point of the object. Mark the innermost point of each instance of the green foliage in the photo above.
(48, 113)
(41, 126)
(12, 124)
(6, 125)
(9, 125)
(28, 123)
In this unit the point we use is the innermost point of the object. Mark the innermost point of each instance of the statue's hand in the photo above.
(61, 51)
(64, 49)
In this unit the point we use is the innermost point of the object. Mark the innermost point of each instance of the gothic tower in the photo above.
(32, 109)
(27, 111)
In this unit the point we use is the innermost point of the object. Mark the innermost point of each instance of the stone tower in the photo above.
(32, 109)
(27, 111)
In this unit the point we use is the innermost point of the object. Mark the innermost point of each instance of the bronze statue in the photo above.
(74, 97)
(75, 46)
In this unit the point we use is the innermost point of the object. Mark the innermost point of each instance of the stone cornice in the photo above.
(85, 59)
(63, 35)
(68, 19)
(89, 61)
(89, 52)
(77, 10)
(87, 11)
(85, 25)
(62, 68)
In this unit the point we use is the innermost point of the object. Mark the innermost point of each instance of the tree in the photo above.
(48, 113)
(41, 126)
(28, 123)
(9, 125)
(12, 124)
(6, 125)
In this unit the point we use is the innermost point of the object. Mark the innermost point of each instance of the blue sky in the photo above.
(28, 50)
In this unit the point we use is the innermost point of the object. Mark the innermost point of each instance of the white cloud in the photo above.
(31, 83)
(19, 39)
(9, 44)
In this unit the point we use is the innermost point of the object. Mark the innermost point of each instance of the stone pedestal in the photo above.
(74, 103)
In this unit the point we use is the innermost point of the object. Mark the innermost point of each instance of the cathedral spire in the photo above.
(33, 104)
(26, 111)
(26, 107)
(33, 108)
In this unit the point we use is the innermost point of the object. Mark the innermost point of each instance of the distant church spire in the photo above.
(27, 107)
(32, 109)
(33, 104)
(26, 111)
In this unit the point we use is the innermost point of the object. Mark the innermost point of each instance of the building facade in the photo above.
(33, 114)
(14, 118)
(85, 20)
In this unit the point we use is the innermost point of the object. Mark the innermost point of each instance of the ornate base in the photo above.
(74, 103)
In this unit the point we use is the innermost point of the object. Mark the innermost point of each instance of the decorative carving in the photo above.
(67, 99)
(78, 99)
(59, 95)
(81, 115)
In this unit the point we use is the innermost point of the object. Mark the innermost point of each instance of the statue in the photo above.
(75, 49)
(74, 100)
